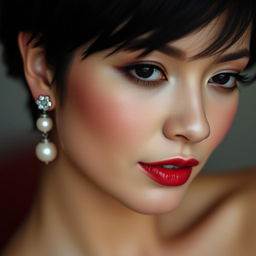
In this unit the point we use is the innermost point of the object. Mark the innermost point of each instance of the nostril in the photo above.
(182, 137)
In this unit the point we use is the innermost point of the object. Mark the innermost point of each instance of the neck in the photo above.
(74, 212)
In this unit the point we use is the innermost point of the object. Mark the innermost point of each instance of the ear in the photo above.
(37, 74)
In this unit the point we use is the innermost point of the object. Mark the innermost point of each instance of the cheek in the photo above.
(98, 112)
(221, 117)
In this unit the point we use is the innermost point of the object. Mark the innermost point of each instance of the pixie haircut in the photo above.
(60, 27)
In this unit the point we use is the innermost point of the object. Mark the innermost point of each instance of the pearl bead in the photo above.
(44, 124)
(46, 151)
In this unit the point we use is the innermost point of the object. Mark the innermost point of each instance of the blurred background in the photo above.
(236, 151)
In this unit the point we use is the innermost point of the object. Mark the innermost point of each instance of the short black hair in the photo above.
(60, 27)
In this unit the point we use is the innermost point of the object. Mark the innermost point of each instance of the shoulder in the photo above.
(219, 198)
(218, 209)
(233, 191)
(230, 211)
(236, 211)
(233, 185)
(242, 203)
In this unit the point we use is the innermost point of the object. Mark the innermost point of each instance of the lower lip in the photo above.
(167, 177)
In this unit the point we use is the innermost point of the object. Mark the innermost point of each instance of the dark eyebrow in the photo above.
(172, 51)
(179, 54)
(243, 53)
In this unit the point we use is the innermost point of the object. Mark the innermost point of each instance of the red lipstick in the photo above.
(173, 172)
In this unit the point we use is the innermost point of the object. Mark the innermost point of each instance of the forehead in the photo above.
(197, 41)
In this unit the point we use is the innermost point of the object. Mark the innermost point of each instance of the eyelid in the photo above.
(238, 76)
(155, 65)
(148, 62)
(126, 70)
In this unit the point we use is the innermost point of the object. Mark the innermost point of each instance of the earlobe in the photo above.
(37, 73)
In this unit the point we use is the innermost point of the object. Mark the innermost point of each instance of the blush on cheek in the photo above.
(99, 109)
(222, 121)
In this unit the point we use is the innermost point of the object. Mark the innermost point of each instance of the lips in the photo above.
(172, 172)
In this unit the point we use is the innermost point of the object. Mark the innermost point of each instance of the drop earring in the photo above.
(46, 151)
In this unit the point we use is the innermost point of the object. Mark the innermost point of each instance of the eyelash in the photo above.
(238, 78)
(127, 70)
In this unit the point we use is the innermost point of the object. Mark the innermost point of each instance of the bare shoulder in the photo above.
(215, 196)
(233, 212)
(233, 185)
(234, 192)
(242, 203)
(218, 209)
(233, 179)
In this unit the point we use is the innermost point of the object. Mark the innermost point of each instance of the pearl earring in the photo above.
(46, 151)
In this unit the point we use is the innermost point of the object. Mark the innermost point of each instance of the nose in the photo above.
(187, 120)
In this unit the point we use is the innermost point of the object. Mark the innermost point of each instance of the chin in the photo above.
(157, 202)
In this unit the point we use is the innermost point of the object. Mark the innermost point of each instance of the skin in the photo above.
(94, 198)
(107, 113)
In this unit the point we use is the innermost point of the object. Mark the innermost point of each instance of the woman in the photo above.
(141, 93)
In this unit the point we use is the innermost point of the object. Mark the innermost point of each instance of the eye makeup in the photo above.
(145, 73)
(228, 80)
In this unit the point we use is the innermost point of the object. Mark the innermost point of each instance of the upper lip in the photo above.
(180, 162)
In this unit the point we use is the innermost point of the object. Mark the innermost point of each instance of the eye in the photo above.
(145, 73)
(226, 80)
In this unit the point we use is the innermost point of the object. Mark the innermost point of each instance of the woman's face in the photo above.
(120, 111)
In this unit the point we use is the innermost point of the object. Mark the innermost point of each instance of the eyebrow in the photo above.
(172, 51)
(180, 54)
(243, 53)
